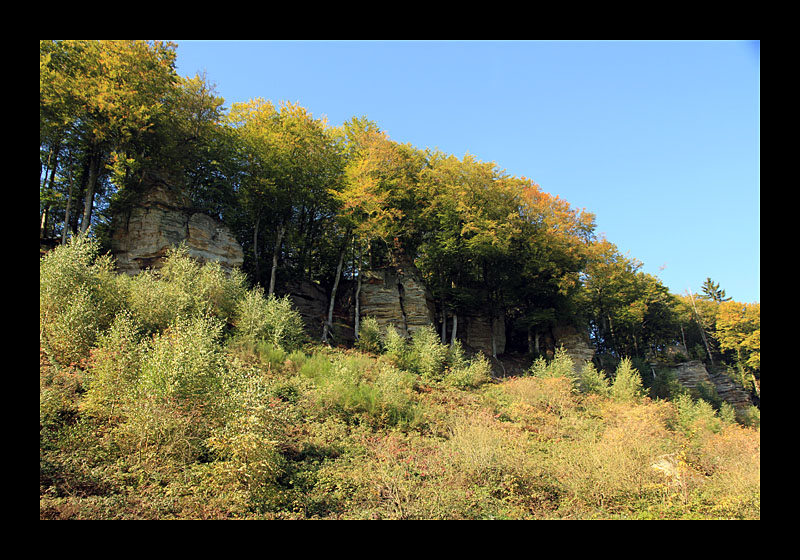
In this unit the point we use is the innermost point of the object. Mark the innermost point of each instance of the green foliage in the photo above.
(560, 366)
(627, 384)
(395, 346)
(184, 363)
(115, 368)
(269, 318)
(369, 336)
(427, 355)
(78, 297)
(182, 394)
(593, 381)
(464, 373)
(360, 390)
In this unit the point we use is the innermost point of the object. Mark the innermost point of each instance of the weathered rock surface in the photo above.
(575, 343)
(162, 219)
(476, 332)
(693, 373)
(396, 297)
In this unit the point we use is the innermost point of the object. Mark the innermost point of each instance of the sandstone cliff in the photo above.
(162, 218)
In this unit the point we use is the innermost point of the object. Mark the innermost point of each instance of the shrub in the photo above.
(184, 288)
(427, 354)
(369, 336)
(358, 389)
(560, 366)
(114, 368)
(627, 385)
(79, 295)
(395, 346)
(247, 440)
(184, 363)
(467, 374)
(593, 381)
(269, 319)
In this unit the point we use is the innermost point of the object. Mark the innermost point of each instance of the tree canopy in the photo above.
(316, 202)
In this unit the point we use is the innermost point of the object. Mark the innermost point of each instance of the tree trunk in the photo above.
(69, 204)
(88, 203)
(276, 251)
(255, 248)
(329, 323)
(455, 329)
(357, 321)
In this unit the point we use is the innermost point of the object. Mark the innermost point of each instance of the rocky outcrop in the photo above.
(396, 296)
(163, 218)
(694, 373)
(477, 332)
(575, 343)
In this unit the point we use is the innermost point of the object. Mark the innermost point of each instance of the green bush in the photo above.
(184, 288)
(270, 319)
(79, 295)
(395, 346)
(627, 385)
(369, 336)
(184, 363)
(466, 374)
(357, 388)
(427, 355)
(114, 368)
(593, 381)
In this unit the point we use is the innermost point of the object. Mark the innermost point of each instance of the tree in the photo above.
(738, 330)
(105, 96)
(712, 292)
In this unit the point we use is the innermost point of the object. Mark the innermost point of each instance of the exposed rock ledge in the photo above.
(160, 220)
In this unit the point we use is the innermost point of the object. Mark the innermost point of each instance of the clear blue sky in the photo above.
(659, 139)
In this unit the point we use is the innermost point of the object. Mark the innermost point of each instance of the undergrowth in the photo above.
(185, 394)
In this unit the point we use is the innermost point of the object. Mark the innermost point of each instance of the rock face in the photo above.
(692, 374)
(476, 331)
(576, 344)
(162, 219)
(396, 296)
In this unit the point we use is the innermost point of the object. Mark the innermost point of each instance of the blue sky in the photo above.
(659, 139)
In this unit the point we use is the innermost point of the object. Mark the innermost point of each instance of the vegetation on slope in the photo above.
(187, 394)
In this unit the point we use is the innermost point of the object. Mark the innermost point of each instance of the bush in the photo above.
(627, 385)
(270, 319)
(427, 355)
(395, 347)
(560, 366)
(184, 288)
(467, 374)
(369, 336)
(114, 369)
(184, 363)
(79, 295)
(359, 389)
(593, 381)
